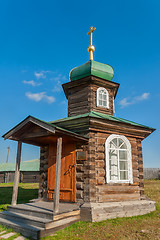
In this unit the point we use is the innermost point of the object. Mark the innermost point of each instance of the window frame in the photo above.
(107, 98)
(129, 158)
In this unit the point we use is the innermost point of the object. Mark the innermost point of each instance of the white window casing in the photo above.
(118, 159)
(102, 98)
(113, 106)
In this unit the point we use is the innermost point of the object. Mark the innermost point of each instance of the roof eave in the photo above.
(24, 122)
(53, 129)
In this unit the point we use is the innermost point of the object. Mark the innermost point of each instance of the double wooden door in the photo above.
(68, 172)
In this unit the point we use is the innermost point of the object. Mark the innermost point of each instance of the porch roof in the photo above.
(37, 132)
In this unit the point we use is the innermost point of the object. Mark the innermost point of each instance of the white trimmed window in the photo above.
(102, 98)
(118, 159)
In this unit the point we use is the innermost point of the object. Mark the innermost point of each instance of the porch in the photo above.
(37, 219)
(61, 162)
(42, 218)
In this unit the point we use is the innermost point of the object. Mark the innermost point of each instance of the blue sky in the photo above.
(41, 41)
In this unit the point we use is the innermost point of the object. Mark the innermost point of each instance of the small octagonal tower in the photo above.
(91, 89)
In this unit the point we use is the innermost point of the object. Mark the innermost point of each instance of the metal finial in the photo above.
(91, 48)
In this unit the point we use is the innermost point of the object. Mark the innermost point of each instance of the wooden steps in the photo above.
(36, 223)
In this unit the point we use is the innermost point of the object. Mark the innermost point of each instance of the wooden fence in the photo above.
(25, 177)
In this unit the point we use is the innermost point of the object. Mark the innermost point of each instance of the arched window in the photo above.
(102, 98)
(118, 159)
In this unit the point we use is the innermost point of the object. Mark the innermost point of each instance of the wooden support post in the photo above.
(58, 175)
(16, 176)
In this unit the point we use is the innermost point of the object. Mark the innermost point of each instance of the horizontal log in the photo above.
(119, 197)
(114, 131)
(79, 186)
(104, 110)
(101, 181)
(91, 147)
(141, 184)
(100, 156)
(114, 188)
(30, 173)
(100, 163)
(79, 177)
(75, 113)
(135, 165)
(101, 124)
(79, 168)
(31, 177)
(77, 88)
(78, 104)
(101, 173)
(78, 97)
(135, 180)
(100, 148)
(101, 141)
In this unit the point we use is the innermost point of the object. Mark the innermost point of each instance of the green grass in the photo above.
(146, 227)
(26, 192)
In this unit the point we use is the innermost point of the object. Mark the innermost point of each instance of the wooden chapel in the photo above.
(90, 157)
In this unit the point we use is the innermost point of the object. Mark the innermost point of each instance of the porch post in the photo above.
(16, 177)
(58, 175)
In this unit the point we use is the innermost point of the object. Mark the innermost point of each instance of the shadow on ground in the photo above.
(24, 195)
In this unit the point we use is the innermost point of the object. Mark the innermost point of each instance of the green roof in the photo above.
(94, 68)
(46, 124)
(26, 166)
(102, 116)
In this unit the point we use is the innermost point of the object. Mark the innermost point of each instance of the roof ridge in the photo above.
(72, 117)
(123, 119)
(100, 115)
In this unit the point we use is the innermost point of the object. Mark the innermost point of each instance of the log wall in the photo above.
(83, 99)
(95, 187)
(78, 100)
(2, 177)
(30, 177)
(25, 177)
(91, 172)
(93, 100)
(140, 167)
(43, 172)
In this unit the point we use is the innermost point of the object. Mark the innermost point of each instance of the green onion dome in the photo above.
(93, 68)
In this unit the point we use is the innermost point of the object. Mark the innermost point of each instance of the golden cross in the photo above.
(91, 48)
(90, 32)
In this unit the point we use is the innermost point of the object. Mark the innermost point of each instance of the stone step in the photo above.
(131, 213)
(20, 238)
(25, 229)
(36, 227)
(36, 221)
(61, 222)
(8, 235)
(58, 225)
(26, 219)
(36, 213)
(3, 232)
(44, 210)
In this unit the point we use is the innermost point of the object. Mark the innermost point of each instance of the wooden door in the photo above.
(68, 173)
